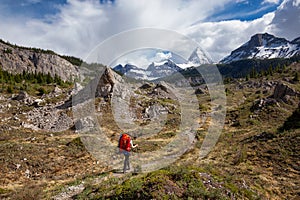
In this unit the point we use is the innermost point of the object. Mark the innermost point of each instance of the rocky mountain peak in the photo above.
(264, 46)
(296, 41)
(199, 57)
(124, 69)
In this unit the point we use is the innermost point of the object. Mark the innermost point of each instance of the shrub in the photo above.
(9, 51)
(42, 91)
(9, 89)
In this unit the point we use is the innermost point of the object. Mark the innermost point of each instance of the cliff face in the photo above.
(16, 60)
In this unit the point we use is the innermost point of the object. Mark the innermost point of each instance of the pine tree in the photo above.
(296, 77)
(49, 78)
(247, 77)
(253, 73)
(270, 70)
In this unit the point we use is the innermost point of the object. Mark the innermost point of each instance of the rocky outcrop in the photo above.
(146, 86)
(161, 90)
(260, 104)
(282, 90)
(264, 46)
(154, 111)
(106, 83)
(48, 118)
(16, 60)
(199, 91)
(102, 86)
(282, 93)
(85, 124)
(21, 96)
(265, 85)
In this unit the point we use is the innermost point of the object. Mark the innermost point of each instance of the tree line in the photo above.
(34, 78)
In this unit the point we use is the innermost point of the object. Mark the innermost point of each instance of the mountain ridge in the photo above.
(156, 70)
(16, 59)
(264, 46)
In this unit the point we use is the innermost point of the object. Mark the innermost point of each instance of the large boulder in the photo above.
(260, 104)
(162, 90)
(199, 91)
(154, 111)
(106, 84)
(281, 90)
(22, 96)
(85, 124)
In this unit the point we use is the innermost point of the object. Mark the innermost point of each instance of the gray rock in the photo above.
(21, 96)
(154, 111)
(260, 104)
(48, 118)
(199, 91)
(281, 90)
(146, 86)
(162, 90)
(20, 60)
(57, 91)
(85, 123)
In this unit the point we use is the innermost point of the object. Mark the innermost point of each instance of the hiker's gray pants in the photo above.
(126, 161)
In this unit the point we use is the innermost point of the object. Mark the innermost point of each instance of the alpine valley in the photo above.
(61, 118)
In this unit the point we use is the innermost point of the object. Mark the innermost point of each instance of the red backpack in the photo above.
(124, 142)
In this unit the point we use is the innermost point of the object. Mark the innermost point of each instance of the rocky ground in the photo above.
(257, 156)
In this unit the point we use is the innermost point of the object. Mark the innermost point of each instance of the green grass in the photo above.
(174, 182)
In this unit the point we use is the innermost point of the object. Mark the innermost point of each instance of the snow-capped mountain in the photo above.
(125, 69)
(164, 67)
(155, 70)
(265, 46)
(198, 57)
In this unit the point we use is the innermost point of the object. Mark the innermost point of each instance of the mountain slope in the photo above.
(155, 70)
(264, 46)
(125, 69)
(18, 59)
(165, 67)
(198, 57)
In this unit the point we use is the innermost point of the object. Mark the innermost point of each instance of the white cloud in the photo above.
(296, 3)
(220, 38)
(271, 1)
(142, 58)
(242, 1)
(80, 25)
(286, 22)
(162, 56)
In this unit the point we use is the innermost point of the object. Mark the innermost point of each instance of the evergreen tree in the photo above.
(247, 77)
(270, 70)
(49, 78)
(296, 77)
(253, 73)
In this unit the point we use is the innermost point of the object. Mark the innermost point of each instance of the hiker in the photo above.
(125, 145)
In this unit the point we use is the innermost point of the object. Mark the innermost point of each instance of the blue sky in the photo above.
(241, 10)
(244, 10)
(74, 27)
(30, 8)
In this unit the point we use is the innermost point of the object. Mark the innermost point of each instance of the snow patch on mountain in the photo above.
(199, 57)
(164, 67)
(264, 46)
